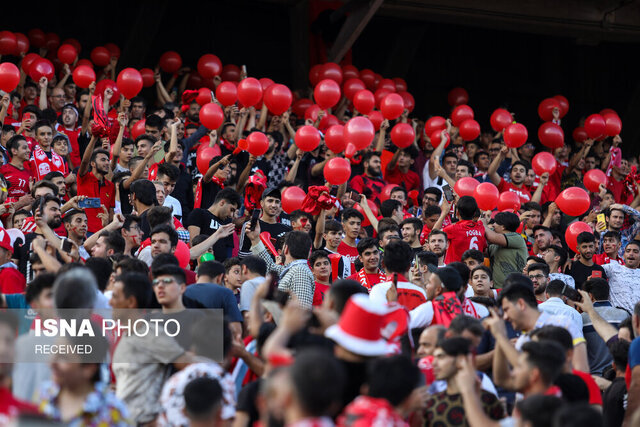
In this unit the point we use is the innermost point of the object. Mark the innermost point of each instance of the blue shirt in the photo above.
(211, 295)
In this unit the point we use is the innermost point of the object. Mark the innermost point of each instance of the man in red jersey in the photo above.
(44, 159)
(70, 128)
(93, 183)
(351, 222)
(14, 172)
(465, 234)
(518, 175)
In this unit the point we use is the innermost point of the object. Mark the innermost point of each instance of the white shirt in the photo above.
(555, 305)
(421, 316)
(174, 204)
(565, 278)
(625, 285)
(437, 182)
(379, 291)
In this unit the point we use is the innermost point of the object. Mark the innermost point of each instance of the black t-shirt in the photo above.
(209, 192)
(581, 272)
(125, 206)
(144, 225)
(276, 230)
(208, 224)
(613, 403)
(247, 400)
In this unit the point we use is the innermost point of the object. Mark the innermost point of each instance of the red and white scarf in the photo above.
(364, 279)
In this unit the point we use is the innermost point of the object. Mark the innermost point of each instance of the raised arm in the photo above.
(367, 211)
(42, 102)
(65, 77)
(173, 144)
(122, 121)
(381, 135)
(493, 237)
(492, 172)
(86, 158)
(244, 176)
(446, 208)
(214, 167)
(293, 171)
(317, 241)
(137, 172)
(437, 153)
(537, 195)
(116, 224)
(86, 114)
(220, 233)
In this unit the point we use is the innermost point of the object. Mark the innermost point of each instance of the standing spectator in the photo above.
(584, 267)
(507, 249)
(370, 183)
(623, 279)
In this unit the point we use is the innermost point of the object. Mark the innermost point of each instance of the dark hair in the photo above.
(416, 223)
(168, 170)
(159, 215)
(341, 290)
(537, 259)
(230, 196)
(386, 224)
(467, 207)
(14, 143)
(47, 198)
(352, 213)
(450, 154)
(136, 285)
(392, 378)
(435, 191)
(612, 234)
(450, 277)
(525, 165)
(43, 183)
(37, 285)
(68, 216)
(154, 121)
(586, 237)
(299, 244)
(332, 225)
(41, 123)
(126, 142)
(473, 254)
(633, 242)
(470, 167)
(426, 257)
(556, 334)
(397, 256)
(316, 255)
(628, 323)
(533, 206)
(297, 214)
(541, 227)
(399, 189)
(515, 291)
(462, 270)
(561, 252)
(438, 233)
(202, 398)
(579, 414)
(598, 287)
(432, 210)
(366, 243)
(539, 409)
(555, 287)
(619, 350)
(98, 151)
(455, 346)
(508, 220)
(462, 323)
(368, 155)
(145, 192)
(144, 137)
(547, 356)
(210, 269)
(388, 207)
(129, 219)
(540, 266)
(479, 153)
(75, 288)
(168, 230)
(318, 380)
(113, 240)
(101, 269)
(229, 263)
(169, 270)
(254, 264)
(131, 265)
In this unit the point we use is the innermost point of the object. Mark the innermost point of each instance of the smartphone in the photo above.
(395, 280)
(254, 219)
(448, 193)
(334, 191)
(354, 196)
(66, 245)
(596, 273)
(90, 202)
(601, 218)
(571, 293)
(416, 261)
(275, 294)
(27, 116)
(41, 206)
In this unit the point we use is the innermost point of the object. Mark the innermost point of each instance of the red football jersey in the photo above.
(350, 252)
(464, 235)
(18, 180)
(523, 193)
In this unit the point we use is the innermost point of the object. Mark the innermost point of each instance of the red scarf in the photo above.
(445, 308)
(198, 198)
(364, 279)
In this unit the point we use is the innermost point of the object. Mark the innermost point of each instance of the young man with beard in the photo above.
(584, 267)
(93, 183)
(410, 229)
(542, 239)
(399, 169)
(615, 217)
(370, 183)
(624, 279)
(274, 162)
(352, 223)
(43, 160)
(369, 255)
(518, 175)
(438, 244)
(539, 275)
(52, 218)
(321, 269)
(271, 209)
(611, 244)
(16, 174)
(70, 128)
(447, 407)
(75, 223)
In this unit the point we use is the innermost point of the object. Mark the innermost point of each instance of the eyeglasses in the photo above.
(432, 200)
(537, 276)
(164, 282)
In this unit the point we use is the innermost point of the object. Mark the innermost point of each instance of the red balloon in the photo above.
(376, 119)
(564, 104)
(458, 96)
(486, 195)
(36, 37)
(595, 126)
(315, 74)
(387, 84)
(22, 44)
(242, 144)
(203, 158)
(401, 85)
(327, 121)
(334, 139)
(183, 254)
(545, 109)
(509, 200)
(28, 59)
(292, 199)
(392, 106)
(515, 135)
(374, 210)
(543, 162)
(52, 41)
(350, 151)
(114, 50)
(278, 99)
(147, 77)
(607, 111)
(500, 119)
(312, 112)
(593, 178)
(227, 93)
(75, 43)
(337, 171)
(580, 134)
(469, 130)
(9, 76)
(331, 71)
(435, 139)
(359, 131)
(209, 66)
(385, 193)
(129, 82)
(460, 114)
(435, 123)
(300, 106)
(307, 138)
(571, 235)
(104, 84)
(369, 78)
(364, 101)
(257, 143)
(100, 56)
(327, 93)
(403, 135)
(265, 82)
(41, 67)
(409, 102)
(8, 43)
(612, 124)
(379, 95)
(194, 80)
(138, 129)
(350, 72)
(85, 62)
(249, 92)
(211, 116)
(574, 201)
(466, 186)
(204, 96)
(67, 54)
(230, 73)
(351, 87)
(551, 135)
(170, 62)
